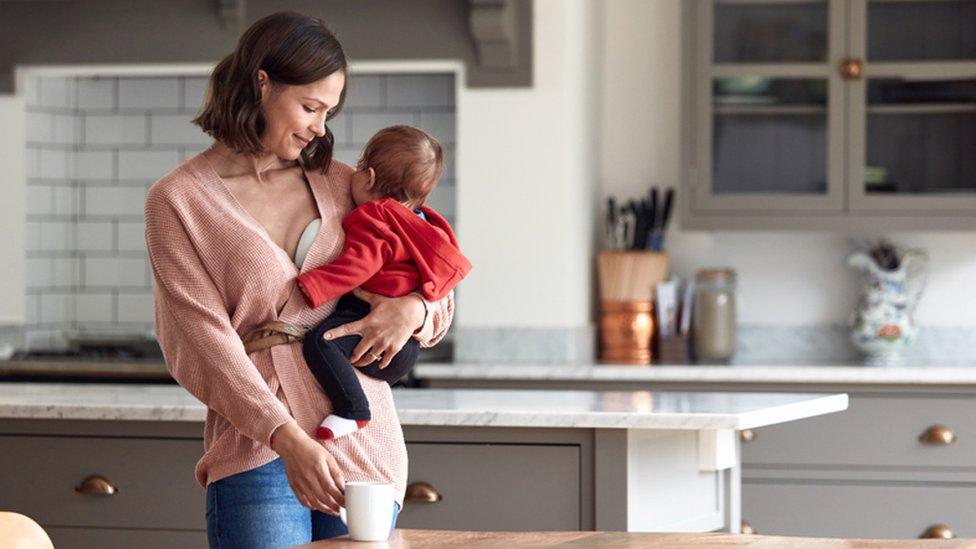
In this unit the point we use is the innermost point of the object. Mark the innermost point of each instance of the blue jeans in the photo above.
(258, 509)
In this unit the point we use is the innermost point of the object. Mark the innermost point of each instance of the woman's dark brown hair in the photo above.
(408, 163)
(294, 49)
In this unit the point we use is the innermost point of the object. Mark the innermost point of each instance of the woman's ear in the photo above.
(263, 82)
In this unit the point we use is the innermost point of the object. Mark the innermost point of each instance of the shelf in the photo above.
(930, 108)
(769, 110)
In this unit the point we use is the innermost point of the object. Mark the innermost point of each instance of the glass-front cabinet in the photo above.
(820, 113)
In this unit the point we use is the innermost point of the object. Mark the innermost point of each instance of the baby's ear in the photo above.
(372, 178)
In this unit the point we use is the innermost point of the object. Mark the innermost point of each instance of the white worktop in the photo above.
(913, 373)
(449, 407)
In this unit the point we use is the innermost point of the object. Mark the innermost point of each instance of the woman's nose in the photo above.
(318, 128)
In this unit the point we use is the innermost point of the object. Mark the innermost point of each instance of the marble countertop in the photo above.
(449, 407)
(914, 373)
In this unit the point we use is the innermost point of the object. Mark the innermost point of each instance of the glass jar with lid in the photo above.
(714, 316)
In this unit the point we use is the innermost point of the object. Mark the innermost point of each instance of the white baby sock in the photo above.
(336, 426)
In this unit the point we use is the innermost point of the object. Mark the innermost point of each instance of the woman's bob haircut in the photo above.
(294, 49)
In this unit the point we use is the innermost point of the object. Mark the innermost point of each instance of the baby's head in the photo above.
(399, 162)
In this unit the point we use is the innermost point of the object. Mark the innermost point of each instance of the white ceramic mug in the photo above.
(369, 510)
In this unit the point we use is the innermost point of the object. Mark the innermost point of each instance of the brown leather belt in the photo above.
(270, 334)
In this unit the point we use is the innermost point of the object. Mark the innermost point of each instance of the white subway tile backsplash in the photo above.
(40, 127)
(149, 165)
(194, 93)
(33, 308)
(98, 307)
(96, 93)
(340, 128)
(114, 201)
(56, 307)
(34, 236)
(57, 236)
(175, 129)
(420, 90)
(94, 164)
(40, 200)
(40, 272)
(54, 92)
(32, 91)
(54, 164)
(149, 93)
(136, 307)
(33, 166)
(95, 236)
(364, 125)
(364, 91)
(65, 129)
(131, 236)
(65, 271)
(115, 129)
(95, 145)
(114, 271)
(438, 124)
(65, 200)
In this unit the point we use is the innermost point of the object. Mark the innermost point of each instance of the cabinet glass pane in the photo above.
(921, 136)
(921, 31)
(756, 32)
(769, 136)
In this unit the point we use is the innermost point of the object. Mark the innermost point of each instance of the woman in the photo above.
(224, 231)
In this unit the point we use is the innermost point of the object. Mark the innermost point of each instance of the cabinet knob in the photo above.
(422, 492)
(851, 68)
(96, 485)
(747, 435)
(937, 435)
(747, 529)
(937, 531)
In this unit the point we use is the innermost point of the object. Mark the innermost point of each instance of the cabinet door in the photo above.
(913, 114)
(768, 106)
(488, 487)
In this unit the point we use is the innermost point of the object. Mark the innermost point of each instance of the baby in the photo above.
(394, 246)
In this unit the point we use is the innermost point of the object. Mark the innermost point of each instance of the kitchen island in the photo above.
(525, 460)
(907, 438)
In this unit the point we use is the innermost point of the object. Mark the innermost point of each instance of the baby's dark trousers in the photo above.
(329, 360)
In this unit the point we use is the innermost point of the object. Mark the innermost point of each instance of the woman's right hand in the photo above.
(312, 472)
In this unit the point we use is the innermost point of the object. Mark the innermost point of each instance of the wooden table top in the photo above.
(450, 538)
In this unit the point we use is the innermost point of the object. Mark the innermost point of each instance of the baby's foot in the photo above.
(336, 426)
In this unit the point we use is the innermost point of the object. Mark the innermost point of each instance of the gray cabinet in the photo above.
(821, 114)
(141, 491)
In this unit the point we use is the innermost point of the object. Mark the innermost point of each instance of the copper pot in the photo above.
(626, 332)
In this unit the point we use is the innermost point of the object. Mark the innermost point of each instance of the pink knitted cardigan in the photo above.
(217, 275)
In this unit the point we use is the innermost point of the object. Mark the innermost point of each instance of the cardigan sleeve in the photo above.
(203, 351)
(439, 315)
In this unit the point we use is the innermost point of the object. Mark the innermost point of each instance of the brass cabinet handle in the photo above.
(937, 435)
(422, 492)
(937, 531)
(96, 485)
(851, 68)
(747, 529)
(747, 435)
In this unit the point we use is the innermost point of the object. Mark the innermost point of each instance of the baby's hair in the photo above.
(408, 163)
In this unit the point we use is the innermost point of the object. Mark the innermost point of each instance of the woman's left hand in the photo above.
(390, 323)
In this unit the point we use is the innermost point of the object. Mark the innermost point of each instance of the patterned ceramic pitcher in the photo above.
(883, 323)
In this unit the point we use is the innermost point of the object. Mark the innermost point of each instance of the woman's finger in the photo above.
(349, 328)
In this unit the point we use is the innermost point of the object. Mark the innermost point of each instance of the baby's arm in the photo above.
(363, 255)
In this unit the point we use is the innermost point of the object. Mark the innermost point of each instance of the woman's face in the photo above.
(294, 115)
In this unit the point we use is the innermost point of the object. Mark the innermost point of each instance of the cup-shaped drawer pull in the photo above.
(937, 435)
(747, 435)
(937, 531)
(96, 485)
(747, 529)
(422, 492)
